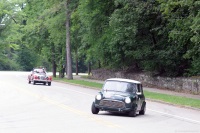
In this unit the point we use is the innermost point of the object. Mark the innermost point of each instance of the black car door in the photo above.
(140, 96)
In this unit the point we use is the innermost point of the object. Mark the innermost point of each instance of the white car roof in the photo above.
(124, 80)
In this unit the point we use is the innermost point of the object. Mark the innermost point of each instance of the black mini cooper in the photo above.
(120, 95)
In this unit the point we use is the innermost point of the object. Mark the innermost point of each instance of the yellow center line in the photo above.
(73, 110)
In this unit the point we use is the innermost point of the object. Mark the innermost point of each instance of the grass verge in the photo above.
(81, 82)
(176, 100)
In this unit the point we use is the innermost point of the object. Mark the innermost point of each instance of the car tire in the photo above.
(44, 83)
(132, 113)
(29, 81)
(49, 83)
(34, 82)
(143, 109)
(94, 109)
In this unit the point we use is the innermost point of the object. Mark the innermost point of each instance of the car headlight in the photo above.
(127, 100)
(98, 97)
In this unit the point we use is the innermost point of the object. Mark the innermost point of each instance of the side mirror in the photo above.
(139, 93)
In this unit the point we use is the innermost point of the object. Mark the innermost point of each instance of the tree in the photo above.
(183, 23)
(45, 30)
(157, 36)
(94, 21)
(10, 32)
(68, 46)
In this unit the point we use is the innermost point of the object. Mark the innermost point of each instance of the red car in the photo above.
(39, 75)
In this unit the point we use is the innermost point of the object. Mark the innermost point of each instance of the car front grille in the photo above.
(42, 77)
(112, 104)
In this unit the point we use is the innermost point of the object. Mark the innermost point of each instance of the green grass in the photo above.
(177, 100)
(81, 82)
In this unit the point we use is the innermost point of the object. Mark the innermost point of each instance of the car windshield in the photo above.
(120, 86)
(39, 71)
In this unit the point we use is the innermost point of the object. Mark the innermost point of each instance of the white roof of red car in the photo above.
(124, 80)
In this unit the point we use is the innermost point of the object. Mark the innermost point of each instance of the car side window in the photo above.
(139, 89)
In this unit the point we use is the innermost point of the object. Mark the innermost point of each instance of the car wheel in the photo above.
(143, 110)
(132, 113)
(34, 82)
(49, 83)
(94, 109)
(44, 83)
(29, 81)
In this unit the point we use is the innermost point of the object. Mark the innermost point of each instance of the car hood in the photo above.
(116, 95)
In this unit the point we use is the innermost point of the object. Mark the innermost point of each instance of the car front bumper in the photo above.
(110, 109)
(41, 81)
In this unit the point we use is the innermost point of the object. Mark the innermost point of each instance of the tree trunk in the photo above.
(99, 64)
(76, 62)
(53, 61)
(68, 49)
(63, 71)
(89, 68)
(66, 65)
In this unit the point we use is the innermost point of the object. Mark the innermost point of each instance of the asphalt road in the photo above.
(64, 108)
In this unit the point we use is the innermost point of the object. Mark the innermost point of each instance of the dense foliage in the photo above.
(160, 36)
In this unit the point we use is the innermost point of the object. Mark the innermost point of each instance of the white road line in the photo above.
(175, 116)
(167, 114)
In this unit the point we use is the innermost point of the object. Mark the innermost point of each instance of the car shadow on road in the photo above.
(40, 84)
(111, 114)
